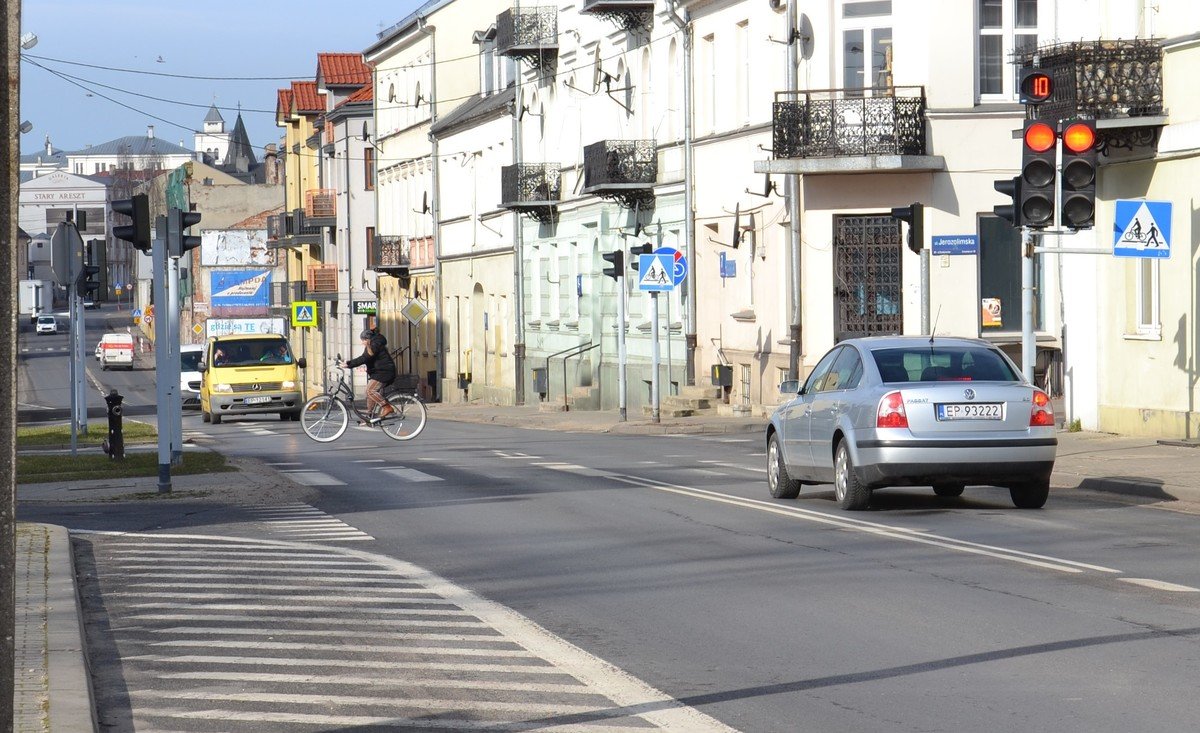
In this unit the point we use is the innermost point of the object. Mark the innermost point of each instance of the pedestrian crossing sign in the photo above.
(1142, 229)
(656, 273)
(304, 314)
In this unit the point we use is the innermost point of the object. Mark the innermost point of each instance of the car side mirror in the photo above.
(301, 363)
(202, 367)
(789, 386)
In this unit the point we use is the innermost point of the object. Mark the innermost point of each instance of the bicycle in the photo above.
(326, 416)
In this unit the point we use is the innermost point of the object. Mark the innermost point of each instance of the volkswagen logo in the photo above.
(258, 387)
(967, 393)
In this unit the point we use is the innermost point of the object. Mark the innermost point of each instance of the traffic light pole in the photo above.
(170, 374)
(654, 404)
(158, 258)
(621, 354)
(1029, 242)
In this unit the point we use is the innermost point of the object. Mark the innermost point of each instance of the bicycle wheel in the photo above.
(408, 420)
(324, 418)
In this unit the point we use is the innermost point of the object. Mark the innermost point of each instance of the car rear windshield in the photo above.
(247, 352)
(943, 363)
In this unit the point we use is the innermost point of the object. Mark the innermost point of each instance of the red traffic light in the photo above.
(1040, 137)
(1079, 137)
(1036, 86)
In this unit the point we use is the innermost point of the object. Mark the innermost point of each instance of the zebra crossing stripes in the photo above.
(305, 522)
(309, 477)
(216, 633)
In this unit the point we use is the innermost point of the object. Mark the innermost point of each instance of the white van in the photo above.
(190, 356)
(116, 349)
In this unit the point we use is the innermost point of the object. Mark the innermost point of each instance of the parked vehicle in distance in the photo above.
(47, 324)
(36, 298)
(912, 411)
(190, 356)
(90, 304)
(116, 350)
(250, 374)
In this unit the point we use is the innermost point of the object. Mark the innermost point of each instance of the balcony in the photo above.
(320, 207)
(279, 230)
(283, 294)
(321, 282)
(529, 33)
(533, 189)
(632, 15)
(621, 170)
(1117, 83)
(389, 255)
(850, 131)
(304, 231)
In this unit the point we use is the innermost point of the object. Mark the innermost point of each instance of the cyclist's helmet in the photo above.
(367, 334)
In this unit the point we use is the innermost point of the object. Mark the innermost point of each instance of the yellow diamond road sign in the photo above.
(304, 313)
(414, 311)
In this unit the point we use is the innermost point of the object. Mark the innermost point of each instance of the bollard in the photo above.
(114, 446)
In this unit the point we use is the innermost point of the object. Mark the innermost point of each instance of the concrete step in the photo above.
(664, 411)
(735, 410)
(556, 406)
(700, 392)
(679, 401)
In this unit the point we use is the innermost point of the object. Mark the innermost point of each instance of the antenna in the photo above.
(933, 330)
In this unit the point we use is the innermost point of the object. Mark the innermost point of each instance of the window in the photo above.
(867, 44)
(742, 84)
(369, 169)
(817, 375)
(1146, 293)
(845, 373)
(1005, 27)
(371, 248)
(1000, 278)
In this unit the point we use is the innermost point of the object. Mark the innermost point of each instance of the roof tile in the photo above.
(305, 97)
(342, 69)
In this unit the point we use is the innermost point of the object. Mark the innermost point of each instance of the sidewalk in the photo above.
(53, 686)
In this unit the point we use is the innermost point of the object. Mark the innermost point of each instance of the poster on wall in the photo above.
(223, 247)
(240, 292)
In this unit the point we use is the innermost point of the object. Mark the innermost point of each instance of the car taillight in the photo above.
(891, 412)
(1042, 414)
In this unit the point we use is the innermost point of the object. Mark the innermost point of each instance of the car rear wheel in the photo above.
(214, 418)
(781, 485)
(948, 489)
(850, 493)
(1030, 495)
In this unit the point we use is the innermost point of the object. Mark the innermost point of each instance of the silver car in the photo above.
(912, 411)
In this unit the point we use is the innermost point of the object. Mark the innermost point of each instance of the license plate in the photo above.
(971, 411)
(258, 399)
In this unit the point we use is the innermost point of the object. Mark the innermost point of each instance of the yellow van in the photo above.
(250, 374)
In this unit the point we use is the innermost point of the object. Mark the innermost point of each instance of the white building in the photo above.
(147, 153)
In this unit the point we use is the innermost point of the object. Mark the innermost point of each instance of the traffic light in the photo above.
(1079, 174)
(178, 220)
(1035, 86)
(137, 233)
(1038, 174)
(617, 258)
(635, 253)
(914, 215)
(87, 284)
(1010, 187)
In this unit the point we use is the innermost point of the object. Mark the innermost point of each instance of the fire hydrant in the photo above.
(114, 445)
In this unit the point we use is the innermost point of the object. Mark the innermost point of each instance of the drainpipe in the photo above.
(792, 193)
(349, 330)
(689, 218)
(518, 260)
(424, 27)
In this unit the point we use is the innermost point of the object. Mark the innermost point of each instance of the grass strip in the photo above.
(35, 469)
(40, 436)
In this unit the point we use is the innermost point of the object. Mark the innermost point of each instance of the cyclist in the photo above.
(381, 370)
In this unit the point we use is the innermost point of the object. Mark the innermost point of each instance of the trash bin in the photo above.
(541, 381)
(722, 375)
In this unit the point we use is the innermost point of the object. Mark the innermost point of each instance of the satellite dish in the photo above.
(805, 31)
(598, 71)
(737, 225)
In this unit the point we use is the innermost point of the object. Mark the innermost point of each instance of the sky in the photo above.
(224, 39)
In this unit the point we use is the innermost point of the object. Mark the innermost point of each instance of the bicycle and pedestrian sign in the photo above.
(662, 270)
(1142, 229)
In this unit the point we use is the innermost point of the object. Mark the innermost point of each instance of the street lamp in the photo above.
(29, 40)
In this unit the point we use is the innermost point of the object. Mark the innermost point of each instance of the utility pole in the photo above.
(792, 193)
(9, 165)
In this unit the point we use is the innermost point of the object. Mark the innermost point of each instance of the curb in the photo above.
(68, 666)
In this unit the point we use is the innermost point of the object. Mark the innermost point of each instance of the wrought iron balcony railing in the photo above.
(531, 188)
(833, 123)
(389, 255)
(625, 170)
(320, 207)
(279, 226)
(1101, 79)
(321, 279)
(530, 33)
(283, 294)
(631, 15)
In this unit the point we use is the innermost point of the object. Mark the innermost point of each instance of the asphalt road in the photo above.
(667, 558)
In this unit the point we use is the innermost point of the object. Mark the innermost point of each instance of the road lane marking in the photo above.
(410, 474)
(882, 530)
(313, 478)
(360, 681)
(1160, 585)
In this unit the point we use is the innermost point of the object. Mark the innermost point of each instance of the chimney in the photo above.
(49, 147)
(150, 131)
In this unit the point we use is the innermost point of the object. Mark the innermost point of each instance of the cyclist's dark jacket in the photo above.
(380, 366)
